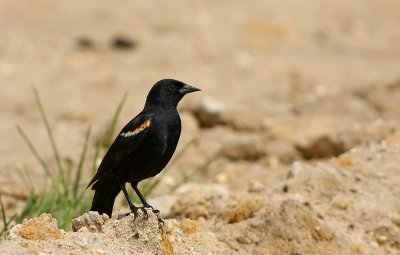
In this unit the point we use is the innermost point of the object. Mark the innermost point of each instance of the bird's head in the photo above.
(167, 93)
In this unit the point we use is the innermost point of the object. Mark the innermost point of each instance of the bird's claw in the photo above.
(135, 211)
(145, 213)
(156, 212)
(161, 223)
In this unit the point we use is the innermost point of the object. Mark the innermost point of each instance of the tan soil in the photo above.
(296, 138)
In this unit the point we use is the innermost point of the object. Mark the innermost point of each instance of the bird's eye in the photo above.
(172, 87)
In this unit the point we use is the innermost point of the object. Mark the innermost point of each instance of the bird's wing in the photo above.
(127, 141)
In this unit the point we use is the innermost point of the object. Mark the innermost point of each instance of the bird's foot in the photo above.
(134, 212)
(156, 212)
(145, 213)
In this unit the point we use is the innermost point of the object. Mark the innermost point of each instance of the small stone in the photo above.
(244, 210)
(357, 248)
(342, 202)
(295, 169)
(105, 217)
(381, 240)
(209, 112)
(169, 226)
(83, 242)
(374, 244)
(255, 186)
(321, 147)
(344, 162)
(123, 42)
(198, 211)
(221, 178)
(85, 43)
(93, 213)
(91, 220)
(243, 240)
(189, 226)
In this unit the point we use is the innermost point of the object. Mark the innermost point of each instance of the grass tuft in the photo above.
(64, 193)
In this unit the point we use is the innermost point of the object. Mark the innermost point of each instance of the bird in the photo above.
(142, 148)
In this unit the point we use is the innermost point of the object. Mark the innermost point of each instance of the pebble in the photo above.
(381, 239)
(255, 186)
(169, 226)
(243, 240)
(123, 42)
(221, 178)
(105, 217)
(83, 242)
(209, 112)
(93, 213)
(295, 169)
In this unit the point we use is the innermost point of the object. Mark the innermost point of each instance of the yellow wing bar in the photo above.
(137, 130)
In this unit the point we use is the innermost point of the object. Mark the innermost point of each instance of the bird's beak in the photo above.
(188, 89)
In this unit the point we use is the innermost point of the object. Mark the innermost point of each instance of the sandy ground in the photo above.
(297, 122)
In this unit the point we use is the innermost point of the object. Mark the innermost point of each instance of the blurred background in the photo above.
(282, 81)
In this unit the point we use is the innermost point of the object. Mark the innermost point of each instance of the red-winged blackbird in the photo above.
(143, 147)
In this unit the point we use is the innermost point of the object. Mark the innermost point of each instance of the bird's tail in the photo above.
(106, 190)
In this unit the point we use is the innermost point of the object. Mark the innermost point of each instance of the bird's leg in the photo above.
(146, 205)
(131, 205)
(141, 197)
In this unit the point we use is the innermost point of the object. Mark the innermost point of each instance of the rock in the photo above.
(244, 148)
(43, 227)
(244, 210)
(284, 150)
(169, 226)
(381, 240)
(189, 226)
(243, 240)
(105, 217)
(84, 42)
(123, 42)
(91, 220)
(209, 112)
(255, 186)
(197, 212)
(83, 242)
(221, 178)
(342, 202)
(321, 147)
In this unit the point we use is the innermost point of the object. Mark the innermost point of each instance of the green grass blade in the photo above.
(80, 164)
(34, 151)
(49, 134)
(6, 222)
(3, 212)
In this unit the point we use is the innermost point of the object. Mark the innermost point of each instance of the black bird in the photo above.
(142, 149)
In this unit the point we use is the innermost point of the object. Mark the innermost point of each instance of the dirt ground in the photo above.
(296, 130)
